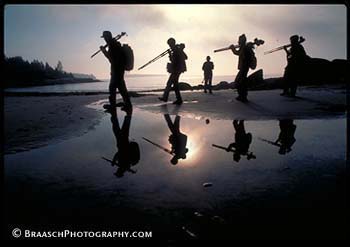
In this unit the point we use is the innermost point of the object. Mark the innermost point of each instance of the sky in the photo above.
(71, 33)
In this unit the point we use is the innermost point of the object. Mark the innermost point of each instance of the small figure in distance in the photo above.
(297, 58)
(177, 66)
(208, 67)
(115, 56)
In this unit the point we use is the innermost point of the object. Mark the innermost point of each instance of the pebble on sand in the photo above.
(207, 184)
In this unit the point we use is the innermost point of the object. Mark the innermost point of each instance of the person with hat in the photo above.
(177, 66)
(244, 55)
(208, 67)
(116, 58)
(296, 57)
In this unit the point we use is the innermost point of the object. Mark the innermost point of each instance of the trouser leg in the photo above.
(287, 80)
(205, 84)
(124, 93)
(167, 88)
(210, 84)
(241, 83)
(238, 82)
(112, 91)
(176, 86)
(293, 86)
(244, 90)
(169, 123)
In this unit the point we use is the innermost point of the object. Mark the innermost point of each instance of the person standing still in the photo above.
(208, 67)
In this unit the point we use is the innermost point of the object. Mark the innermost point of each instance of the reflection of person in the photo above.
(242, 142)
(244, 53)
(208, 67)
(177, 139)
(286, 137)
(296, 57)
(128, 153)
(175, 68)
(117, 61)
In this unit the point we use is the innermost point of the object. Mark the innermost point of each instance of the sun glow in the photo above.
(194, 145)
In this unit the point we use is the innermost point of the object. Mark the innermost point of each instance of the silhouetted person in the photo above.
(286, 137)
(208, 67)
(177, 139)
(128, 153)
(177, 66)
(242, 142)
(117, 60)
(296, 57)
(244, 53)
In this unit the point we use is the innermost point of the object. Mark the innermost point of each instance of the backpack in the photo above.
(252, 58)
(183, 57)
(129, 57)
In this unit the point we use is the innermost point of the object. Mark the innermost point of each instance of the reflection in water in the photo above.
(241, 144)
(128, 153)
(161, 193)
(177, 140)
(286, 137)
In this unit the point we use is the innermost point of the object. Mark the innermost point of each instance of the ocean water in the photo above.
(134, 83)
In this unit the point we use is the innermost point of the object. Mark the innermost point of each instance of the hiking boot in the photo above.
(109, 107)
(177, 102)
(127, 109)
(162, 99)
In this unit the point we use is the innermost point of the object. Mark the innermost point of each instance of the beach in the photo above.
(36, 121)
(57, 150)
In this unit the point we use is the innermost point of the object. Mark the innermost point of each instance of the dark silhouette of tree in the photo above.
(59, 66)
(19, 72)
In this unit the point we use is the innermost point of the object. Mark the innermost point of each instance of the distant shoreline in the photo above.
(60, 81)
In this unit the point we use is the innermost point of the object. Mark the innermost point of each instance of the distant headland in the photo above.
(22, 73)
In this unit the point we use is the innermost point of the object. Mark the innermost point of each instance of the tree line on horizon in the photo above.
(20, 72)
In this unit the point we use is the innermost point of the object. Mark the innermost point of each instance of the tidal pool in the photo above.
(73, 183)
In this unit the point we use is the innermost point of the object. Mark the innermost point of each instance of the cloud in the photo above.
(71, 32)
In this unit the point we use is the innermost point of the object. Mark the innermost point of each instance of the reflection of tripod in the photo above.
(249, 155)
(283, 149)
(269, 142)
(113, 163)
(158, 146)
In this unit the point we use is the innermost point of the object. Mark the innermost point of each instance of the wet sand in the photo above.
(271, 197)
(32, 122)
